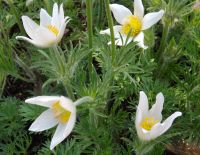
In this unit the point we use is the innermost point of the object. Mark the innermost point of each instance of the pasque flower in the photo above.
(49, 32)
(132, 24)
(61, 111)
(148, 122)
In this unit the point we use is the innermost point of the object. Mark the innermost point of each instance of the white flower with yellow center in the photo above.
(132, 24)
(148, 122)
(61, 112)
(49, 32)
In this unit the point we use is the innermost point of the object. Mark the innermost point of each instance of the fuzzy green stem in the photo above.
(69, 90)
(90, 30)
(163, 41)
(3, 78)
(1, 5)
(23, 79)
(140, 149)
(16, 15)
(110, 24)
(100, 13)
(30, 74)
(67, 87)
(48, 5)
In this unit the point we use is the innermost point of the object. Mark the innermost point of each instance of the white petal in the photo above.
(116, 28)
(46, 101)
(62, 131)
(120, 12)
(38, 44)
(140, 39)
(61, 32)
(157, 108)
(30, 26)
(62, 29)
(151, 19)
(168, 122)
(161, 128)
(143, 104)
(61, 13)
(67, 104)
(40, 35)
(70, 124)
(138, 118)
(45, 18)
(45, 121)
(141, 134)
(55, 17)
(45, 37)
(138, 9)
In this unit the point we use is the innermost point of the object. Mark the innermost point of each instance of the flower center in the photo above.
(132, 25)
(53, 29)
(148, 123)
(60, 113)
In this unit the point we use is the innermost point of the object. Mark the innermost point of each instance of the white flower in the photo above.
(148, 122)
(132, 23)
(49, 32)
(61, 112)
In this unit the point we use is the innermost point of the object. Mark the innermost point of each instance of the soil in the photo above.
(17, 88)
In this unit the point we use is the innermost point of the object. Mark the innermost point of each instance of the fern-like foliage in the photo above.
(30, 112)
(71, 147)
(12, 127)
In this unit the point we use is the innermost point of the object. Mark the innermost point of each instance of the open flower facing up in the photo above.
(132, 24)
(61, 112)
(49, 32)
(148, 122)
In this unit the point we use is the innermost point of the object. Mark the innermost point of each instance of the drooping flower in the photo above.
(49, 32)
(61, 111)
(148, 122)
(132, 24)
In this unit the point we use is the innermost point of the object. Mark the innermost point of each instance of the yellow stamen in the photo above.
(148, 123)
(60, 113)
(131, 25)
(53, 29)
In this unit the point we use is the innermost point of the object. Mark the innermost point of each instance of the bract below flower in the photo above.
(148, 122)
(49, 32)
(61, 112)
(131, 25)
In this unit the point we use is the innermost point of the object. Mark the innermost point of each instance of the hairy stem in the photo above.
(16, 15)
(100, 13)
(28, 71)
(48, 6)
(110, 24)
(2, 84)
(163, 41)
(90, 30)
(69, 90)
(65, 82)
